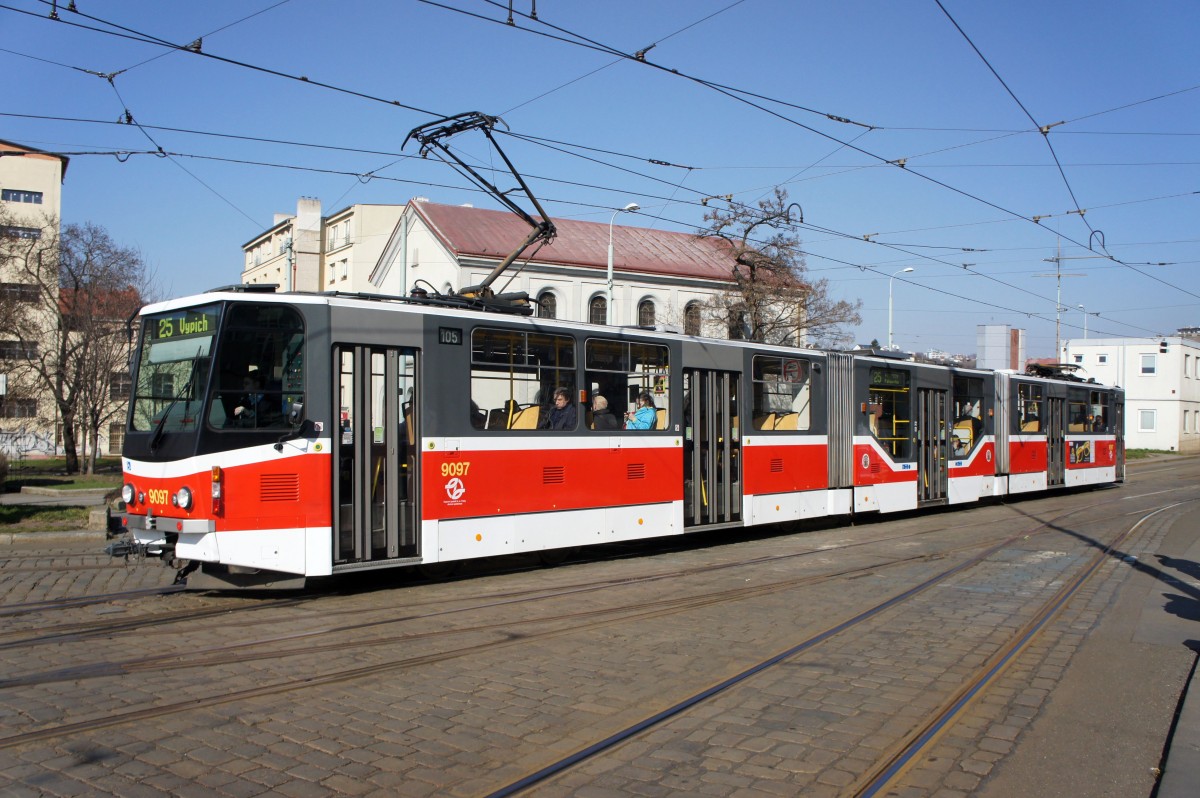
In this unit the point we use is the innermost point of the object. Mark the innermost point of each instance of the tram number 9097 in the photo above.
(456, 469)
(158, 496)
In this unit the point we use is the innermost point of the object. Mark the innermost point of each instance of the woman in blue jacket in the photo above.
(646, 415)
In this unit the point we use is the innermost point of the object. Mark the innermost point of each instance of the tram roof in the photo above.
(477, 232)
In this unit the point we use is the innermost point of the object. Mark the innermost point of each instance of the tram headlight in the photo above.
(128, 493)
(183, 498)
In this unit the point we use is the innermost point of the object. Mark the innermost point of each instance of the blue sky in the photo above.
(961, 108)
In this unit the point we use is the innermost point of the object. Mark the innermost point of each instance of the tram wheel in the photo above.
(438, 570)
(552, 557)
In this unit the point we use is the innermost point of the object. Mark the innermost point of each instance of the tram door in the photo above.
(1056, 442)
(933, 445)
(1119, 421)
(375, 488)
(711, 448)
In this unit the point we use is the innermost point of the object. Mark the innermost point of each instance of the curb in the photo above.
(33, 537)
(42, 491)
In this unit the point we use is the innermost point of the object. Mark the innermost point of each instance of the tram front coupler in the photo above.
(128, 547)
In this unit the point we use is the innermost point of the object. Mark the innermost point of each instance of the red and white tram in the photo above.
(278, 436)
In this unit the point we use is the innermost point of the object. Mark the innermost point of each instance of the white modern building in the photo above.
(1161, 378)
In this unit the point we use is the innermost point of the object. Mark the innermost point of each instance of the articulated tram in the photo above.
(274, 437)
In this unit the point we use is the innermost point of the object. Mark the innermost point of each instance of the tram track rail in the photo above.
(895, 762)
(567, 624)
(350, 674)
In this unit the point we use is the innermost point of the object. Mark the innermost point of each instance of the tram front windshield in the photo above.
(210, 377)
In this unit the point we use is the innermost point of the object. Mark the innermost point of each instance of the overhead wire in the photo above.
(583, 41)
(141, 37)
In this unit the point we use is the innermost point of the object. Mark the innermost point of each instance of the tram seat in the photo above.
(788, 421)
(1080, 427)
(964, 436)
(660, 421)
(1031, 426)
(765, 422)
(526, 418)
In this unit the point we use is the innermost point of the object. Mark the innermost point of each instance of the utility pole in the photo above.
(1058, 307)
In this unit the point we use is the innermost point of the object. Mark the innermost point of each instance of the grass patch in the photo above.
(16, 481)
(34, 518)
(1142, 454)
(57, 466)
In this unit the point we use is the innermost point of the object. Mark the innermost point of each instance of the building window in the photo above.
(19, 292)
(1101, 358)
(17, 408)
(19, 195)
(120, 387)
(12, 231)
(116, 437)
(1078, 358)
(344, 269)
(646, 313)
(1148, 364)
(1147, 420)
(691, 319)
(547, 305)
(1185, 420)
(1186, 358)
(18, 350)
(598, 310)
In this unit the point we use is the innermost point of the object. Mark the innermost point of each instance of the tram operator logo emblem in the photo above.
(455, 490)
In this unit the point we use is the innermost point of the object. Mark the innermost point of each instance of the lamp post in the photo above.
(631, 207)
(1082, 308)
(890, 279)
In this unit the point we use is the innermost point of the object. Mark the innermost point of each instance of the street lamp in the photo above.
(1081, 307)
(890, 279)
(631, 207)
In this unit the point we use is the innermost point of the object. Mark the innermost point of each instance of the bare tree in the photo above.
(63, 309)
(771, 299)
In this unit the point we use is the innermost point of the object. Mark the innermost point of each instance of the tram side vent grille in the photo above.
(279, 487)
(635, 471)
(554, 475)
(776, 465)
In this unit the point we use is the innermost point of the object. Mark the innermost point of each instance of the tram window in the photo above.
(260, 366)
(514, 376)
(173, 368)
(968, 414)
(620, 370)
(1099, 409)
(782, 393)
(889, 410)
(1028, 417)
(1079, 411)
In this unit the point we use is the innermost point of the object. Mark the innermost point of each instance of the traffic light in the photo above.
(1162, 346)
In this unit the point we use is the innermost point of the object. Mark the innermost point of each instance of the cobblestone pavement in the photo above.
(463, 687)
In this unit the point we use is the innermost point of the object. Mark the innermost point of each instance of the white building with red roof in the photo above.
(660, 277)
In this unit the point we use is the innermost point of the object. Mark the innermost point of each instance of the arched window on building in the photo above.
(598, 310)
(547, 305)
(646, 313)
(691, 319)
(739, 323)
